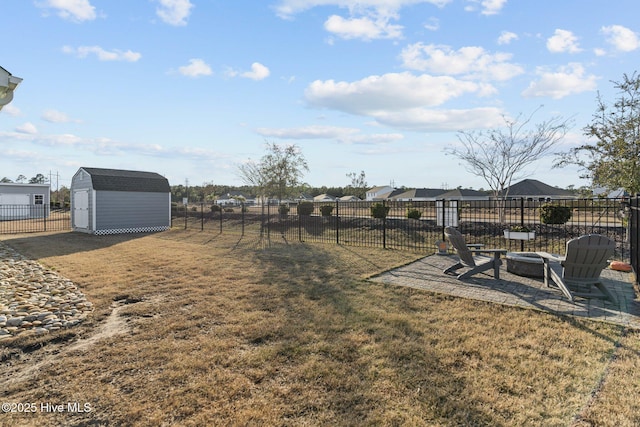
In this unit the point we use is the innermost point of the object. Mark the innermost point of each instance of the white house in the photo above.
(381, 193)
(21, 201)
(324, 198)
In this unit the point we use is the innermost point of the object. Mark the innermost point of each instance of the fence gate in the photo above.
(634, 234)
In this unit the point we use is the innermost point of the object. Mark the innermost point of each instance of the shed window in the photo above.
(38, 199)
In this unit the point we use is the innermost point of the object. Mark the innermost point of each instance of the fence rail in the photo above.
(33, 218)
(417, 225)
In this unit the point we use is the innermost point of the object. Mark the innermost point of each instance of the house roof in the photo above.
(463, 192)
(126, 180)
(533, 187)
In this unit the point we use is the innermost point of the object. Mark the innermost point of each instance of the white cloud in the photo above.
(308, 132)
(102, 54)
(174, 12)
(11, 110)
(55, 116)
(563, 41)
(567, 80)
(432, 24)
(394, 91)
(362, 28)
(341, 134)
(196, 68)
(506, 37)
(287, 8)
(488, 7)
(27, 128)
(258, 72)
(429, 120)
(368, 19)
(471, 62)
(72, 10)
(622, 38)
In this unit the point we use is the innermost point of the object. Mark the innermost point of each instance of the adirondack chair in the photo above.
(472, 256)
(578, 272)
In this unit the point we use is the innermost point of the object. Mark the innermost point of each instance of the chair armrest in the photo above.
(550, 257)
(495, 252)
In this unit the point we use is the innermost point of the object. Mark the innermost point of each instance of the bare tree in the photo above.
(501, 155)
(358, 184)
(278, 172)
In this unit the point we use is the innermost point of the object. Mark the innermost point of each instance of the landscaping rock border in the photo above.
(36, 299)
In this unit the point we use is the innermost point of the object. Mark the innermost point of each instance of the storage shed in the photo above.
(113, 201)
(23, 201)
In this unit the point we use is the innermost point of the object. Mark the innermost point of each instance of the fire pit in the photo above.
(526, 264)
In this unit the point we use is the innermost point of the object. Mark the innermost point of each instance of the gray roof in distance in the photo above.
(125, 180)
(533, 187)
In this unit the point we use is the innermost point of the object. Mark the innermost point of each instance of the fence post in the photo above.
(201, 216)
(337, 224)
(522, 221)
(299, 223)
(44, 216)
(186, 214)
(242, 216)
(384, 224)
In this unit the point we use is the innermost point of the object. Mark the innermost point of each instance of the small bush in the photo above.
(215, 208)
(194, 209)
(283, 209)
(554, 214)
(379, 211)
(305, 208)
(326, 210)
(228, 210)
(519, 229)
(414, 214)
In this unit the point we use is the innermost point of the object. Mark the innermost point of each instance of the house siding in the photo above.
(11, 192)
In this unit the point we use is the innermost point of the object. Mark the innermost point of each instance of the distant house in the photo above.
(382, 193)
(349, 199)
(532, 189)
(431, 194)
(21, 201)
(324, 198)
(464, 194)
(113, 201)
(235, 198)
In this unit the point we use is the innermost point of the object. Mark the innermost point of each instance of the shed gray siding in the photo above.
(119, 201)
(118, 210)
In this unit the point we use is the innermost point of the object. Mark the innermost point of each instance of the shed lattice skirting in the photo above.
(131, 230)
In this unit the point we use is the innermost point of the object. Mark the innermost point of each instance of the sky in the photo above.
(193, 88)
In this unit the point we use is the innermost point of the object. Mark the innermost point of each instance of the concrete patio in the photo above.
(519, 291)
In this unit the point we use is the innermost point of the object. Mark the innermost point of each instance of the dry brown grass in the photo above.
(221, 331)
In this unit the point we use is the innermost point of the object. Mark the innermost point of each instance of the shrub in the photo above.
(305, 208)
(326, 210)
(554, 214)
(379, 211)
(283, 209)
(215, 208)
(194, 209)
(229, 210)
(414, 214)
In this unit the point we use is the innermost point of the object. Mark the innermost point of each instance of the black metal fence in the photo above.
(634, 234)
(33, 218)
(417, 225)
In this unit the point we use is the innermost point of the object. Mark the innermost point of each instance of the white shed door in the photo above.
(81, 209)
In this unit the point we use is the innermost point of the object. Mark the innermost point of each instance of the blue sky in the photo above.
(192, 88)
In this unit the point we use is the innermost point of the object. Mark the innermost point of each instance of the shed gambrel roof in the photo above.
(126, 180)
